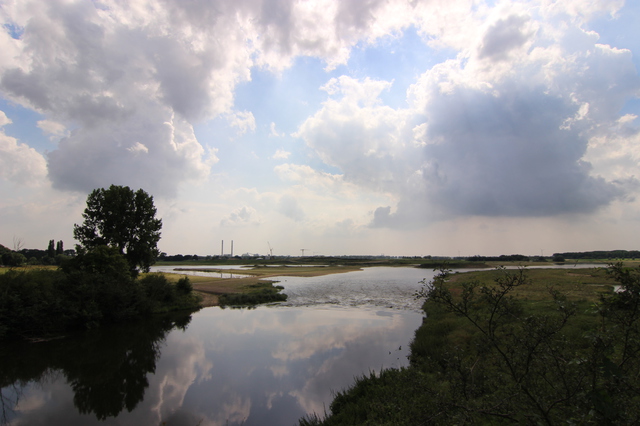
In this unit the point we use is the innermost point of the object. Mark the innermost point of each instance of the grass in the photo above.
(4, 269)
(578, 284)
(418, 394)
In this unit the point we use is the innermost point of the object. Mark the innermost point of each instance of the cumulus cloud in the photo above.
(18, 162)
(368, 141)
(481, 140)
(118, 72)
(523, 120)
(4, 120)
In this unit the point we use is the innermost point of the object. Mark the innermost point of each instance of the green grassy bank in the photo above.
(512, 347)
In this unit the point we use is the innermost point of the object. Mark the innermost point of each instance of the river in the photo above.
(265, 366)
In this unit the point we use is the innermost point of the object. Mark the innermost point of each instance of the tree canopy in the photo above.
(121, 218)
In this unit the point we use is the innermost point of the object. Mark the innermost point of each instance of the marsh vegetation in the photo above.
(507, 347)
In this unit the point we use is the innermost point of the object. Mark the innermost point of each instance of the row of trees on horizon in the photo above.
(55, 254)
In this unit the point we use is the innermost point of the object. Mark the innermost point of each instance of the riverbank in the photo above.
(504, 347)
(258, 278)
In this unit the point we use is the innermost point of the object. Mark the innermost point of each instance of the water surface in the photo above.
(265, 366)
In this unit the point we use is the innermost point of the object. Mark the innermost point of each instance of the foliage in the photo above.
(259, 293)
(488, 355)
(121, 218)
(10, 257)
(94, 288)
(501, 258)
(184, 286)
(611, 254)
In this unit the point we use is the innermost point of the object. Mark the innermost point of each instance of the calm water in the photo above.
(265, 366)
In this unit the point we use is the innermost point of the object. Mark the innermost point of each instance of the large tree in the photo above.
(121, 218)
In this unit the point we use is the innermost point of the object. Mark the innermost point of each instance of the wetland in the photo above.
(268, 365)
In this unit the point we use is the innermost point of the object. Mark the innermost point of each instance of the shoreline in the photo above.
(210, 288)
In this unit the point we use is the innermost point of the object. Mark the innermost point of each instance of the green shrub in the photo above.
(158, 288)
(92, 289)
(252, 299)
(183, 286)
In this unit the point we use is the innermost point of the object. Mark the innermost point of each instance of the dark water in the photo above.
(265, 366)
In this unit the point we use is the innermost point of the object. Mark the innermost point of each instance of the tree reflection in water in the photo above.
(106, 368)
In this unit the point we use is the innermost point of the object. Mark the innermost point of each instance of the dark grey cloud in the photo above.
(510, 155)
(501, 155)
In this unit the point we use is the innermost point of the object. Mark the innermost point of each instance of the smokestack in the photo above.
(222, 249)
(231, 248)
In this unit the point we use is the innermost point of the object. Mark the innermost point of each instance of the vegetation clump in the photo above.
(92, 289)
(99, 285)
(123, 219)
(500, 353)
(261, 293)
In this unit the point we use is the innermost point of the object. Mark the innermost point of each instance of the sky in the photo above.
(395, 127)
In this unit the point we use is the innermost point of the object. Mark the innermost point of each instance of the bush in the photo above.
(157, 289)
(92, 289)
(30, 303)
(183, 286)
(268, 295)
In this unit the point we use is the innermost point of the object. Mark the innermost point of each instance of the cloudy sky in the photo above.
(397, 127)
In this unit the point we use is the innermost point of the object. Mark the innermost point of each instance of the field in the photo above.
(577, 284)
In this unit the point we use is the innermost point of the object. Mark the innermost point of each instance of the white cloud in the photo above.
(356, 133)
(18, 162)
(243, 120)
(121, 72)
(274, 133)
(52, 128)
(281, 155)
(138, 148)
(4, 120)
(584, 9)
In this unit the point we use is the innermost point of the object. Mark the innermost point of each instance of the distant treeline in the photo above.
(164, 257)
(55, 254)
(504, 257)
(611, 254)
